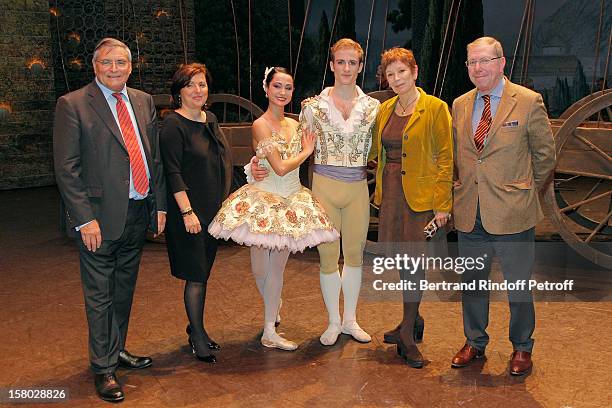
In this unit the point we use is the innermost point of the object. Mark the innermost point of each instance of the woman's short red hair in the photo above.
(396, 54)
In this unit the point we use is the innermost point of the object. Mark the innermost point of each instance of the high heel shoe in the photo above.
(411, 354)
(210, 358)
(210, 344)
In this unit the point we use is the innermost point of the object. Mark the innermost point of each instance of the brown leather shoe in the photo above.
(466, 355)
(520, 362)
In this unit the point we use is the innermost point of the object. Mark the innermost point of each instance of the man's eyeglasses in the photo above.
(106, 63)
(482, 61)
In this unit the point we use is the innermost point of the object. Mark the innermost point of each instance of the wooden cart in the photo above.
(580, 199)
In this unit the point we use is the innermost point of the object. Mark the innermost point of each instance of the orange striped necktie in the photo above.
(484, 125)
(139, 174)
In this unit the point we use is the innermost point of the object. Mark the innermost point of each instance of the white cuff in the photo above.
(81, 226)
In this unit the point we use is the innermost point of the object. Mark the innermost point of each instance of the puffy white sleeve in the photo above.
(266, 146)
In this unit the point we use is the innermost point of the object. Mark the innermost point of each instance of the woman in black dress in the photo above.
(197, 163)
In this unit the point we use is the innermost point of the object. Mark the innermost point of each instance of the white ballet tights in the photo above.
(268, 267)
(351, 284)
(331, 283)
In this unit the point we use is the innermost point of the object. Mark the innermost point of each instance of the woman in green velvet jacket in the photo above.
(414, 151)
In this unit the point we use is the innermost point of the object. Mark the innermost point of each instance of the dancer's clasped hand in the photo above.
(309, 139)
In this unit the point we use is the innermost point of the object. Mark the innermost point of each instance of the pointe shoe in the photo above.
(411, 354)
(210, 344)
(278, 318)
(330, 335)
(276, 341)
(356, 332)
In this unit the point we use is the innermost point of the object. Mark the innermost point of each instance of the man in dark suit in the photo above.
(110, 177)
(504, 155)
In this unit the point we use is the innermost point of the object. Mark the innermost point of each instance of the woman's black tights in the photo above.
(195, 299)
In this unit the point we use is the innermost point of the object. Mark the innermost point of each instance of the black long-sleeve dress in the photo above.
(197, 160)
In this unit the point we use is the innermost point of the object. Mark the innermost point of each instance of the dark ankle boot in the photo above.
(391, 336)
(410, 354)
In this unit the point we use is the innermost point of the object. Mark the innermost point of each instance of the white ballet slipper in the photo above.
(353, 330)
(330, 336)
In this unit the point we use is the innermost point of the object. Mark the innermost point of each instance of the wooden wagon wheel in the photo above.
(235, 115)
(578, 104)
(582, 193)
(163, 104)
(246, 109)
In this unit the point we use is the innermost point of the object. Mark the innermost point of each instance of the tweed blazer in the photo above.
(514, 165)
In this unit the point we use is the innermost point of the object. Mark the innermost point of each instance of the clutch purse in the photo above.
(430, 229)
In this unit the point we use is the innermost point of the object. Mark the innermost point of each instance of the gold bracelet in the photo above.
(187, 211)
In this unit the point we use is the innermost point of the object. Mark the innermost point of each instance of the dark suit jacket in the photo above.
(91, 161)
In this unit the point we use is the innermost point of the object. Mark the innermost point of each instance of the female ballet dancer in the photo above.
(277, 215)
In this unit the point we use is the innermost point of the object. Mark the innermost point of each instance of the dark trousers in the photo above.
(108, 277)
(516, 254)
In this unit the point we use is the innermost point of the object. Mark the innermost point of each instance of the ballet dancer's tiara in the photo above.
(266, 72)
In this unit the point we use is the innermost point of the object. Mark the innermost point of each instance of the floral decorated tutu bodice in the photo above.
(290, 182)
(277, 212)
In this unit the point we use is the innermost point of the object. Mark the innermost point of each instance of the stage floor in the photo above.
(44, 334)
